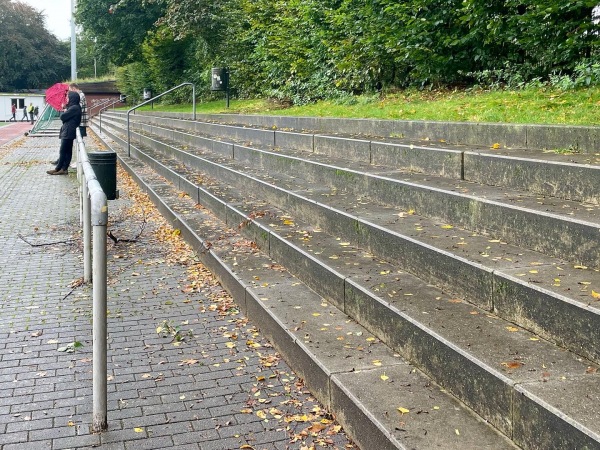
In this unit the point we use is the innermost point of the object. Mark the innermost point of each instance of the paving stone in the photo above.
(151, 443)
(53, 389)
(197, 437)
(76, 442)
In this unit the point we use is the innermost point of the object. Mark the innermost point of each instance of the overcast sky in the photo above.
(58, 16)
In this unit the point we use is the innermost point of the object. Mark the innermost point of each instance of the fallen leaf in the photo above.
(495, 146)
(595, 294)
(384, 377)
(403, 410)
(189, 362)
(138, 430)
(512, 364)
(316, 427)
(512, 329)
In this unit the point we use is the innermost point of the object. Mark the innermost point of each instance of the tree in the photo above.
(30, 56)
(118, 27)
(90, 64)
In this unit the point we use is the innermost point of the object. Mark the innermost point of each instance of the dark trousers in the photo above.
(65, 154)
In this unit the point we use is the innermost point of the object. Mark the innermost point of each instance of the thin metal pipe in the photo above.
(100, 111)
(96, 219)
(152, 100)
(87, 233)
(99, 364)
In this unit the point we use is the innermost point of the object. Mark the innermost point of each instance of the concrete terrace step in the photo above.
(575, 175)
(341, 362)
(546, 295)
(440, 352)
(563, 229)
(529, 136)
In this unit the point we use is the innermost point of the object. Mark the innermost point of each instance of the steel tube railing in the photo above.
(108, 106)
(95, 218)
(151, 100)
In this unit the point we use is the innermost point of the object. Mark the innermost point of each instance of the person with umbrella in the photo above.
(71, 119)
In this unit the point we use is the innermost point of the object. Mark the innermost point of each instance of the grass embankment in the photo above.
(543, 106)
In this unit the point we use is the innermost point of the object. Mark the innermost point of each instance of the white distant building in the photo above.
(20, 99)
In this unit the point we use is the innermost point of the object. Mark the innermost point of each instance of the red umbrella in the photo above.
(56, 95)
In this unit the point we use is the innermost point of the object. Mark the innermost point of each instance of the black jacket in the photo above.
(71, 118)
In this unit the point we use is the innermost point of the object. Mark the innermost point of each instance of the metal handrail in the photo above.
(108, 106)
(151, 100)
(95, 214)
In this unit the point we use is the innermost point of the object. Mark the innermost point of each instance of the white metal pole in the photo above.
(73, 43)
(99, 278)
(87, 232)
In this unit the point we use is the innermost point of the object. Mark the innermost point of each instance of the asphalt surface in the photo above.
(185, 369)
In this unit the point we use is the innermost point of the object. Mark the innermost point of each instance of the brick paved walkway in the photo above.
(13, 130)
(185, 369)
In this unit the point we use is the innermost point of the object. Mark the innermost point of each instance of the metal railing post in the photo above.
(129, 111)
(87, 233)
(95, 218)
(99, 289)
(101, 110)
(128, 136)
(194, 101)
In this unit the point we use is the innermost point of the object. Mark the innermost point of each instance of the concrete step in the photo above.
(442, 354)
(527, 136)
(561, 228)
(558, 173)
(345, 366)
(548, 296)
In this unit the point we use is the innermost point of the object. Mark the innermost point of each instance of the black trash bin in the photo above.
(219, 79)
(105, 168)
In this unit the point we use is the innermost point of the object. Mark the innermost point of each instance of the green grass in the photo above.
(542, 106)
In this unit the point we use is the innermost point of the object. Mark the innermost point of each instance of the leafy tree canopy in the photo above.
(118, 27)
(303, 50)
(30, 56)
